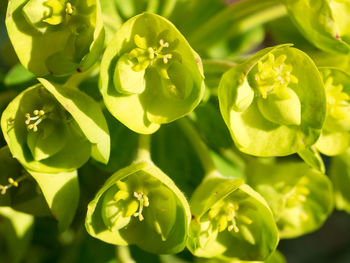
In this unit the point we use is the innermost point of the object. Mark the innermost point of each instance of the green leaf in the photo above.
(17, 229)
(173, 80)
(37, 100)
(61, 192)
(269, 124)
(177, 158)
(313, 158)
(78, 43)
(18, 75)
(134, 190)
(231, 221)
(88, 114)
(324, 23)
(335, 137)
(339, 172)
(300, 197)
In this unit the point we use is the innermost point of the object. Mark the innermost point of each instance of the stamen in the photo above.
(12, 183)
(163, 44)
(69, 9)
(143, 202)
(274, 76)
(39, 116)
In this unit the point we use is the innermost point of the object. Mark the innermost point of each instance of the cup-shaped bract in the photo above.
(57, 37)
(51, 129)
(325, 23)
(149, 74)
(274, 103)
(140, 205)
(339, 173)
(335, 137)
(231, 221)
(300, 197)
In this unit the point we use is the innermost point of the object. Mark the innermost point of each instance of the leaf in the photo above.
(17, 230)
(18, 75)
(251, 131)
(248, 233)
(61, 192)
(340, 176)
(148, 178)
(87, 114)
(300, 197)
(313, 158)
(28, 22)
(74, 155)
(174, 82)
(321, 23)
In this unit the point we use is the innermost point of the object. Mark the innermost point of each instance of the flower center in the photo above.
(224, 216)
(32, 122)
(146, 56)
(59, 10)
(133, 207)
(274, 76)
(337, 100)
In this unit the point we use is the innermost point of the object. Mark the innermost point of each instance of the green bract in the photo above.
(268, 102)
(51, 129)
(326, 23)
(230, 220)
(57, 37)
(340, 176)
(300, 197)
(149, 74)
(140, 205)
(335, 137)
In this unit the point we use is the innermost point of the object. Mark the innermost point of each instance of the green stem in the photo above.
(144, 148)
(168, 7)
(123, 254)
(237, 19)
(198, 145)
(152, 6)
(12, 183)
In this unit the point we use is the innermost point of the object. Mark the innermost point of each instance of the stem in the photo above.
(199, 146)
(12, 183)
(236, 19)
(168, 7)
(123, 254)
(144, 147)
(152, 6)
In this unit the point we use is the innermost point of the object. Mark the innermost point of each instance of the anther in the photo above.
(143, 202)
(69, 9)
(13, 182)
(163, 44)
(39, 116)
(3, 189)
